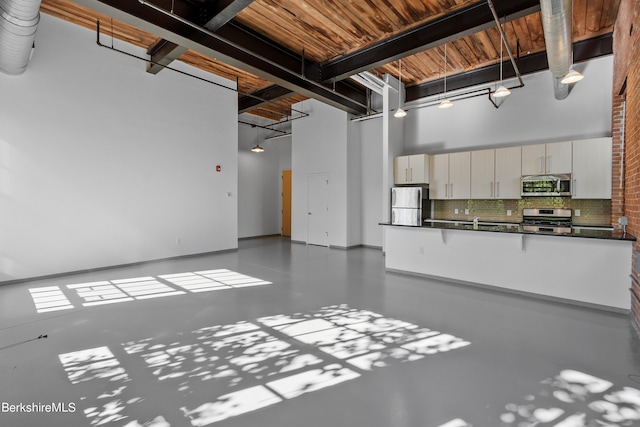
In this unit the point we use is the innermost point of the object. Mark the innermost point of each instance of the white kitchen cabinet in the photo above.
(508, 173)
(592, 169)
(460, 175)
(496, 174)
(483, 183)
(439, 177)
(412, 169)
(553, 158)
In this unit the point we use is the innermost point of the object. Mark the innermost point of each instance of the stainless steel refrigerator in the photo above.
(409, 205)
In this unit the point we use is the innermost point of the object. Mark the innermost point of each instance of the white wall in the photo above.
(260, 177)
(371, 179)
(319, 145)
(103, 164)
(354, 185)
(529, 115)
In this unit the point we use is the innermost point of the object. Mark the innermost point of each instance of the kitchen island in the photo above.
(590, 267)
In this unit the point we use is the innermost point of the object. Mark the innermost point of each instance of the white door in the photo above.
(318, 209)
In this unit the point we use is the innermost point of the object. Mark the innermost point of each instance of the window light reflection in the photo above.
(575, 398)
(52, 298)
(223, 371)
(49, 298)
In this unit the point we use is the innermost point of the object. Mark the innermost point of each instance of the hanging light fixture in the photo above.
(445, 103)
(257, 148)
(399, 112)
(572, 76)
(502, 91)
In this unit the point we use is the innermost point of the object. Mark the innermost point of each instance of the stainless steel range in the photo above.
(546, 220)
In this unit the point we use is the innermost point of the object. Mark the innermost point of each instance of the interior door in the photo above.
(318, 209)
(286, 203)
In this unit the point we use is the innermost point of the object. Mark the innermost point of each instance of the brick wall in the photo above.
(626, 86)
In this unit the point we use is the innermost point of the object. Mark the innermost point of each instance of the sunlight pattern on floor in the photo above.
(458, 422)
(53, 298)
(576, 399)
(49, 298)
(212, 280)
(100, 365)
(114, 291)
(240, 354)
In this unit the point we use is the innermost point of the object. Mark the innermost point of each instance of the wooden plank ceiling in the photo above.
(325, 31)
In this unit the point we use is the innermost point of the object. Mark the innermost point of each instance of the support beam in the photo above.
(225, 11)
(232, 45)
(469, 20)
(271, 94)
(582, 51)
(162, 54)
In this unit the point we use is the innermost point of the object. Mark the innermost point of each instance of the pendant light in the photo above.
(502, 91)
(257, 148)
(399, 112)
(572, 76)
(445, 103)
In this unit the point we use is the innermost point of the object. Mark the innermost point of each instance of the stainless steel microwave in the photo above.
(546, 185)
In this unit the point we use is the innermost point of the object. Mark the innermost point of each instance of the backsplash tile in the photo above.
(592, 212)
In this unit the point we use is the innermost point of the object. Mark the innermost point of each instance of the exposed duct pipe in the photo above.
(18, 23)
(557, 20)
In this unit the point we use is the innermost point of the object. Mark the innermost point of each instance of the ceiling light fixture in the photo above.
(572, 76)
(257, 148)
(502, 91)
(445, 103)
(399, 112)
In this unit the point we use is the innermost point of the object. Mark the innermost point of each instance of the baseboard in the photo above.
(112, 267)
(263, 236)
(499, 289)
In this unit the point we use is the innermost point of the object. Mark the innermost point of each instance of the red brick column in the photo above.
(626, 86)
(617, 134)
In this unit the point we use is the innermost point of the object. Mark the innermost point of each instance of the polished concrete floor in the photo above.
(288, 335)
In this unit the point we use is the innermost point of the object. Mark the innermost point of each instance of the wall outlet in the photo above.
(456, 211)
(466, 211)
(508, 212)
(577, 212)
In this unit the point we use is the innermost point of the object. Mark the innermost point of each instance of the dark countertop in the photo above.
(496, 227)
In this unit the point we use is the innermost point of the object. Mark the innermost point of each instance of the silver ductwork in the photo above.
(18, 23)
(557, 20)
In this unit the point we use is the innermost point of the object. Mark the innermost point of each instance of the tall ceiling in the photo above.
(283, 51)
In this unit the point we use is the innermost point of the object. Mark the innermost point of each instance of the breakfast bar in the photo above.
(587, 266)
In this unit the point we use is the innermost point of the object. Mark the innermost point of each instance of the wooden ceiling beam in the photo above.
(456, 25)
(582, 51)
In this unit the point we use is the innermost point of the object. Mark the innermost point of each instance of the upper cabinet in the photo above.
(496, 174)
(483, 181)
(592, 168)
(411, 169)
(553, 158)
(450, 176)
(508, 173)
